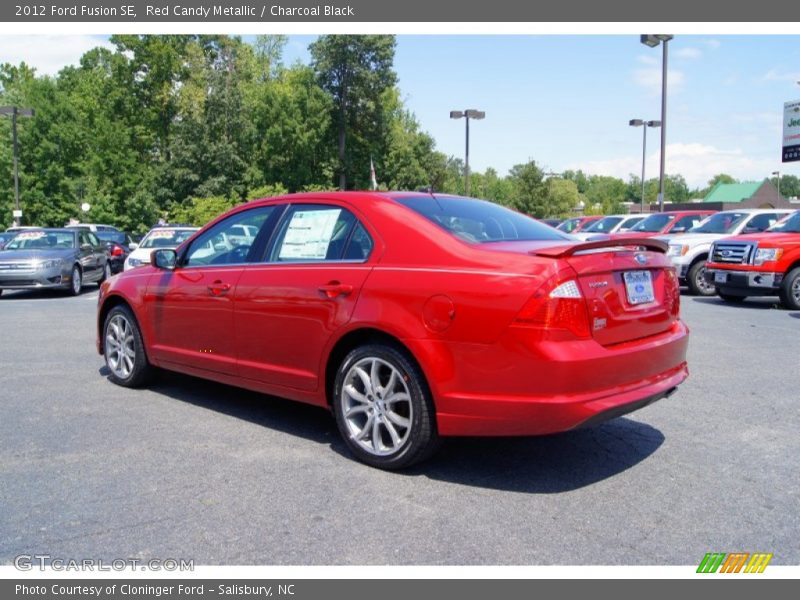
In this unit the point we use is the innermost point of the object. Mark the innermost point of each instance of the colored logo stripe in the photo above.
(734, 562)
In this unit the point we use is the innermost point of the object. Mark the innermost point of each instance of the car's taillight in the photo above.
(672, 292)
(557, 305)
(117, 251)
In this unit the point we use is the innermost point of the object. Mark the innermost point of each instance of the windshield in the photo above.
(42, 240)
(569, 225)
(788, 225)
(166, 238)
(604, 225)
(653, 223)
(479, 221)
(724, 222)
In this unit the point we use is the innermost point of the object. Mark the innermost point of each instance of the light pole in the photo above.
(468, 114)
(15, 111)
(653, 40)
(777, 175)
(644, 125)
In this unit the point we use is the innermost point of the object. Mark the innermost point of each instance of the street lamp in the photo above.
(468, 114)
(653, 40)
(644, 125)
(15, 111)
(777, 175)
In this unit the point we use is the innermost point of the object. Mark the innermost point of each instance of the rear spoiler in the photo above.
(629, 243)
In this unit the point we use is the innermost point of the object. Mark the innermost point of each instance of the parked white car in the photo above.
(689, 251)
(157, 238)
(608, 225)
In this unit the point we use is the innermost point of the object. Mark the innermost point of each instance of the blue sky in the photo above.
(565, 100)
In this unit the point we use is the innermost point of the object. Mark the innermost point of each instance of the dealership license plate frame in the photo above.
(639, 296)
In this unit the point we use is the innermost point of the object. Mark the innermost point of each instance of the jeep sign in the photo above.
(791, 131)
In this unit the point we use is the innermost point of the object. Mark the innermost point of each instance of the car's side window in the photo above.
(761, 222)
(311, 233)
(92, 238)
(229, 241)
(687, 222)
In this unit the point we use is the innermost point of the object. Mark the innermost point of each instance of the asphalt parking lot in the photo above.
(195, 470)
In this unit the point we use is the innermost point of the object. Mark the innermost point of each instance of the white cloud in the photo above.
(48, 54)
(647, 59)
(695, 161)
(688, 53)
(712, 44)
(650, 79)
(778, 75)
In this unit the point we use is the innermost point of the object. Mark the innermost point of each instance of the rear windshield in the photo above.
(653, 223)
(111, 236)
(720, 223)
(479, 221)
(604, 225)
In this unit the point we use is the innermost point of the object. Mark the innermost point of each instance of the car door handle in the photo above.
(218, 288)
(334, 289)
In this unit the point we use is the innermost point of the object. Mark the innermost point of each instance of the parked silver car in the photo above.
(53, 258)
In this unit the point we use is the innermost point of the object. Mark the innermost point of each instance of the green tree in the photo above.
(608, 192)
(355, 70)
(529, 190)
(562, 197)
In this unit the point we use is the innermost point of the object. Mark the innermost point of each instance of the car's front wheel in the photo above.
(790, 290)
(383, 407)
(76, 281)
(124, 350)
(696, 279)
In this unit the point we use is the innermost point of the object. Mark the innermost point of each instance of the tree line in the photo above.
(183, 127)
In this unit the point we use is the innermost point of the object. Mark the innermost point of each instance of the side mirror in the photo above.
(751, 230)
(133, 246)
(164, 259)
(678, 230)
(86, 247)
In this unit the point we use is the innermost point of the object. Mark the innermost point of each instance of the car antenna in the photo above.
(429, 190)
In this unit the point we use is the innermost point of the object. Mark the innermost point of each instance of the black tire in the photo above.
(106, 273)
(141, 371)
(77, 276)
(419, 439)
(731, 297)
(790, 290)
(695, 279)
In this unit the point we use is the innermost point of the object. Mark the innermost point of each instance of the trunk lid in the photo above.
(629, 286)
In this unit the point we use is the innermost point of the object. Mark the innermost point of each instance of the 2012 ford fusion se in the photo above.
(413, 316)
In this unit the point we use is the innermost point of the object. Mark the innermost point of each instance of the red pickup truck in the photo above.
(759, 264)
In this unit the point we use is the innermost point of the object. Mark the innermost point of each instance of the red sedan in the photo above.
(411, 316)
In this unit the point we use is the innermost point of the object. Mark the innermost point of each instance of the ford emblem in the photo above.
(641, 259)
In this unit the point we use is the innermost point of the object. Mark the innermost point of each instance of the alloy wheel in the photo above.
(120, 347)
(376, 406)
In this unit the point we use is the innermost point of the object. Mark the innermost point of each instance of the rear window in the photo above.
(479, 221)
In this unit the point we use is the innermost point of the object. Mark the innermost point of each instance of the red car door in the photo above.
(191, 307)
(288, 306)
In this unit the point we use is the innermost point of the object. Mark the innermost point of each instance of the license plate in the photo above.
(639, 286)
(720, 277)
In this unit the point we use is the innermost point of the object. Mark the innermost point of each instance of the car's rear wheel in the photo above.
(696, 279)
(790, 290)
(76, 281)
(124, 350)
(383, 407)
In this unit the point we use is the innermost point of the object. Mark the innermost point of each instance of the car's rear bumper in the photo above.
(749, 283)
(519, 388)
